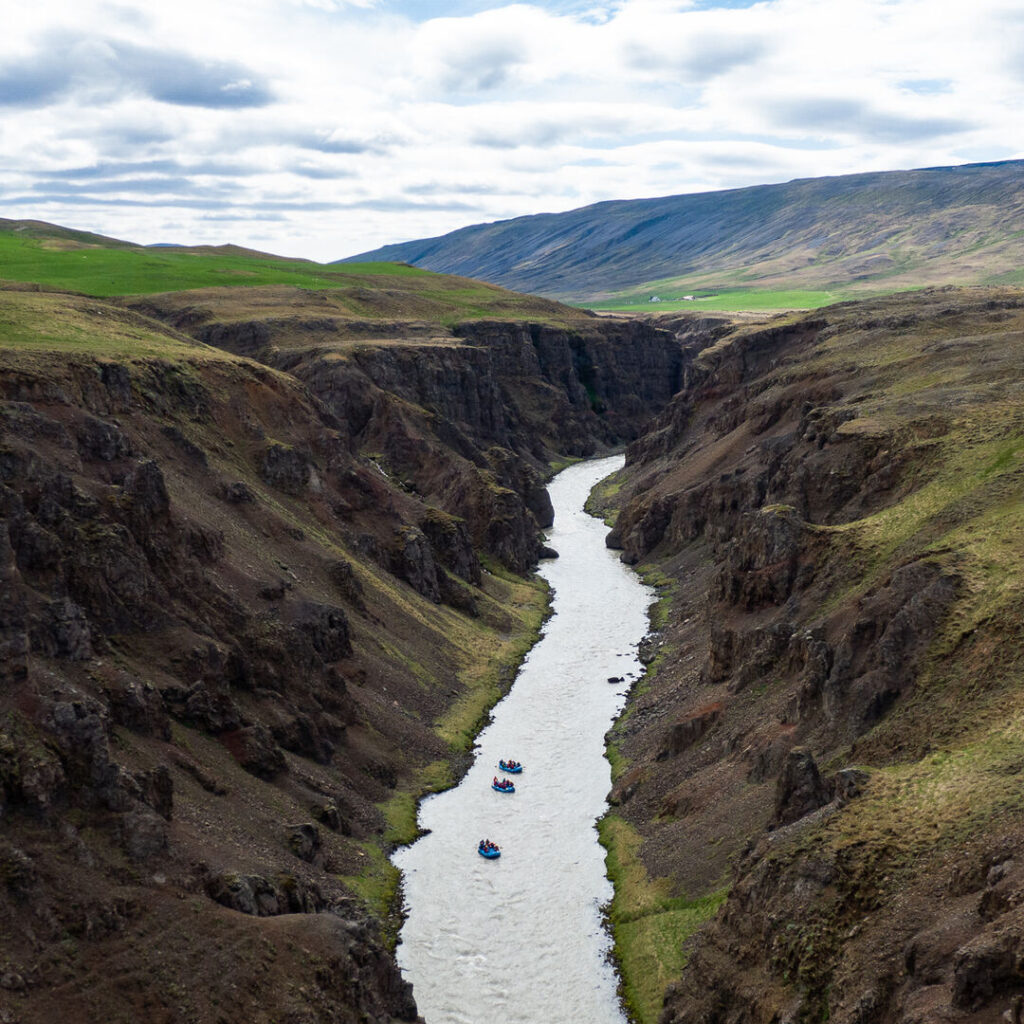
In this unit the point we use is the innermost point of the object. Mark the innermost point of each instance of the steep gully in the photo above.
(176, 533)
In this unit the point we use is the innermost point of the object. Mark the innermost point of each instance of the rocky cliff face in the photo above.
(190, 732)
(242, 610)
(467, 418)
(829, 493)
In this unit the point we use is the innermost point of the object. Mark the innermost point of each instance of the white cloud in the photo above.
(324, 127)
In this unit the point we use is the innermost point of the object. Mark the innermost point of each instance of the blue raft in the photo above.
(498, 788)
(506, 766)
(490, 852)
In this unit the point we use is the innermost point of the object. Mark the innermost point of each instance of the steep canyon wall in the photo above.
(249, 610)
(828, 728)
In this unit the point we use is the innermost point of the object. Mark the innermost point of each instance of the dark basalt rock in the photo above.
(848, 783)
(274, 591)
(304, 735)
(871, 666)
(987, 966)
(326, 629)
(117, 380)
(253, 747)
(451, 544)
(412, 560)
(304, 841)
(258, 896)
(61, 630)
(347, 583)
(800, 788)
(143, 834)
(287, 469)
(327, 813)
(647, 649)
(156, 789)
(238, 493)
(208, 706)
(100, 440)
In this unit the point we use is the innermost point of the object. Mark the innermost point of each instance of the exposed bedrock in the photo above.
(234, 603)
(188, 669)
(827, 493)
(469, 422)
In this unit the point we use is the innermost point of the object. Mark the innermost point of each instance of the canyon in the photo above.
(267, 563)
(252, 609)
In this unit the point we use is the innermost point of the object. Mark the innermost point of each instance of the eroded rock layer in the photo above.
(245, 617)
(831, 729)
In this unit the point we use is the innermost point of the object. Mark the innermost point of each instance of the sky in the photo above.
(324, 128)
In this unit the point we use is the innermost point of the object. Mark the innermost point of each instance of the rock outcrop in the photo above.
(467, 420)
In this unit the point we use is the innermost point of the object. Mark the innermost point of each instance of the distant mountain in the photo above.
(857, 232)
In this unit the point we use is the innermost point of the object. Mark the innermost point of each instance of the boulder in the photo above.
(347, 583)
(412, 559)
(100, 440)
(156, 789)
(304, 841)
(147, 492)
(327, 813)
(800, 788)
(986, 966)
(138, 706)
(260, 897)
(143, 834)
(648, 648)
(286, 468)
(255, 750)
(238, 493)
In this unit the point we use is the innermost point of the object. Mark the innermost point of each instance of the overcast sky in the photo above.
(322, 128)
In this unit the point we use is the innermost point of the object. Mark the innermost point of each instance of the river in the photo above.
(520, 939)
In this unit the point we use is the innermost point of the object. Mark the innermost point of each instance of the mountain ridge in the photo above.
(873, 231)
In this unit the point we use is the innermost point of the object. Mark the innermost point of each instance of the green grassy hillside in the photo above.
(56, 258)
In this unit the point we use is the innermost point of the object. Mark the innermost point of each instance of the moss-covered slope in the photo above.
(832, 723)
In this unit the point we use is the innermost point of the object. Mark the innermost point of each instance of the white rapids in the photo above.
(520, 939)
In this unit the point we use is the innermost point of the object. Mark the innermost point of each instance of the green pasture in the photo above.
(104, 272)
(728, 301)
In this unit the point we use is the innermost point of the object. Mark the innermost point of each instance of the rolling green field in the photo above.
(61, 260)
(56, 258)
(727, 301)
(104, 272)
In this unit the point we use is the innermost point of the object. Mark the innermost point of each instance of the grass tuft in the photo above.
(649, 925)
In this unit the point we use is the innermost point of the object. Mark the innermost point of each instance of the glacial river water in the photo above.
(519, 940)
